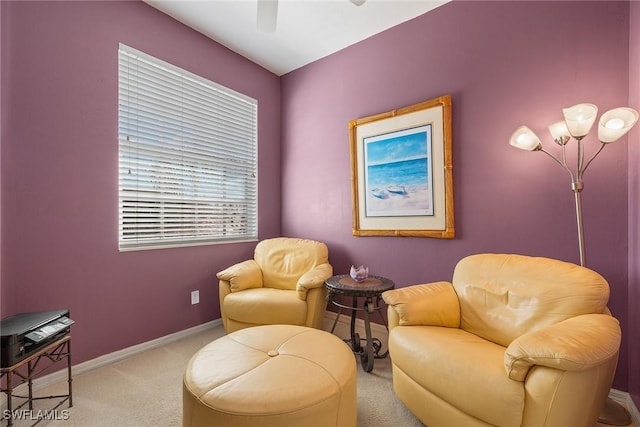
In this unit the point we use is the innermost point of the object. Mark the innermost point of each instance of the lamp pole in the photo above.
(577, 187)
(576, 183)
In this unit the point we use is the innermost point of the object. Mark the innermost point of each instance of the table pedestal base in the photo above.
(371, 289)
(372, 346)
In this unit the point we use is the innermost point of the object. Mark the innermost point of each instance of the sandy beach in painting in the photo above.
(417, 200)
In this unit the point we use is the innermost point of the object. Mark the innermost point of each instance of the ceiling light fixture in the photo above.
(267, 17)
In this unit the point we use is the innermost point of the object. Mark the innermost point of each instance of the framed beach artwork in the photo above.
(401, 172)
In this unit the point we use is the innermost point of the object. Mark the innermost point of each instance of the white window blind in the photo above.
(187, 157)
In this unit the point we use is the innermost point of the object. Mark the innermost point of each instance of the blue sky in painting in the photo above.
(397, 146)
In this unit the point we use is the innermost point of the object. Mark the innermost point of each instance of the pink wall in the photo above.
(504, 64)
(634, 208)
(59, 172)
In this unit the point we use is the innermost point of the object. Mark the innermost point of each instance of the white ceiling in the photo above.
(306, 30)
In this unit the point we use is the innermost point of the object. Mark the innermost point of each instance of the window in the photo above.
(187, 157)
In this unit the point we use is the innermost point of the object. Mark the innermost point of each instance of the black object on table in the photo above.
(371, 290)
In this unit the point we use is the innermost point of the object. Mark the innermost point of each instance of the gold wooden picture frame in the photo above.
(402, 172)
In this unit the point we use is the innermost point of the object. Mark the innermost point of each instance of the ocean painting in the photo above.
(398, 179)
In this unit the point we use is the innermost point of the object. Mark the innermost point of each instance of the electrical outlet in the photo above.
(195, 297)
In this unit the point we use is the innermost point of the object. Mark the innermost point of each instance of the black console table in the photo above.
(49, 354)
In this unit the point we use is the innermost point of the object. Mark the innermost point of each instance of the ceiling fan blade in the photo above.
(267, 15)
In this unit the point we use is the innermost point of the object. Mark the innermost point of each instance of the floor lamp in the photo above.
(577, 123)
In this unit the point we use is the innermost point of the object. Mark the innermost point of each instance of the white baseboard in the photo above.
(89, 365)
(139, 348)
(624, 399)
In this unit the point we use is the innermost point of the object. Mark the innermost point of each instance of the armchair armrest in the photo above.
(313, 278)
(432, 304)
(243, 275)
(574, 344)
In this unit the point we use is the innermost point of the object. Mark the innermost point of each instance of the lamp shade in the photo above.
(580, 118)
(524, 139)
(559, 132)
(615, 123)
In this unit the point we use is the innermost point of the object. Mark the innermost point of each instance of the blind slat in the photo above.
(188, 157)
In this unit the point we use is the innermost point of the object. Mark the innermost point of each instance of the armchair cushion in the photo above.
(434, 304)
(575, 344)
(266, 306)
(241, 276)
(459, 368)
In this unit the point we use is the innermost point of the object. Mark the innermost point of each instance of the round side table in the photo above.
(370, 290)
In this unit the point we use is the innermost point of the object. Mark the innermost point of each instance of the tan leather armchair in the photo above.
(282, 284)
(510, 341)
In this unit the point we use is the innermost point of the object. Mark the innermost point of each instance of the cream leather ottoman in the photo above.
(271, 376)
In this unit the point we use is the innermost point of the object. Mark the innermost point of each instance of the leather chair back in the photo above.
(283, 260)
(503, 296)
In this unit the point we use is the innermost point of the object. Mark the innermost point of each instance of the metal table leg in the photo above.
(9, 393)
(367, 356)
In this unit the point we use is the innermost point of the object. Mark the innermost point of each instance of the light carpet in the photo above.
(145, 390)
